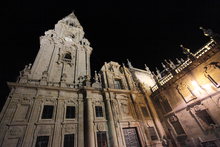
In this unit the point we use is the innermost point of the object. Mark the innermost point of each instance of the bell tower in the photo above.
(64, 54)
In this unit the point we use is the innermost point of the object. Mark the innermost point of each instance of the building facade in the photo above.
(187, 96)
(56, 103)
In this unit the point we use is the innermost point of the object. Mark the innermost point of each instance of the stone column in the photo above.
(112, 132)
(57, 127)
(80, 124)
(156, 119)
(35, 112)
(90, 138)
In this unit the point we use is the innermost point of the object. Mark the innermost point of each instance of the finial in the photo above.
(129, 64)
(146, 67)
(158, 73)
(185, 50)
(166, 62)
(178, 61)
(182, 60)
(96, 78)
(163, 65)
(29, 66)
(172, 65)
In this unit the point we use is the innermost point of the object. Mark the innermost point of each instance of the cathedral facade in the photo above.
(56, 103)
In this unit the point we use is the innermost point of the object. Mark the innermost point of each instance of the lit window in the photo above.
(69, 140)
(42, 141)
(118, 84)
(47, 112)
(70, 112)
(102, 139)
(98, 111)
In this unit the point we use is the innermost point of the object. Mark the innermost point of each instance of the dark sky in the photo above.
(144, 32)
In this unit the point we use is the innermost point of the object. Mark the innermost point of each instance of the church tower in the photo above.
(45, 102)
(64, 54)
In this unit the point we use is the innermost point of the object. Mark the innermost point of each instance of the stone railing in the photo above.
(204, 49)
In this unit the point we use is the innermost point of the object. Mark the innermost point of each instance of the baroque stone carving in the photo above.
(100, 127)
(15, 131)
(69, 128)
(44, 130)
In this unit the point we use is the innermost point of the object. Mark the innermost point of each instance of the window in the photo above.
(165, 105)
(67, 56)
(47, 112)
(209, 144)
(98, 111)
(42, 141)
(102, 139)
(176, 125)
(153, 134)
(144, 111)
(205, 117)
(69, 140)
(70, 112)
(118, 84)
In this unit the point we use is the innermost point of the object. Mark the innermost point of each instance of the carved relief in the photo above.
(121, 96)
(52, 100)
(69, 128)
(100, 127)
(72, 101)
(15, 131)
(43, 130)
(125, 107)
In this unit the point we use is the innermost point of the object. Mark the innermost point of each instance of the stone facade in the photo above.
(56, 103)
(186, 96)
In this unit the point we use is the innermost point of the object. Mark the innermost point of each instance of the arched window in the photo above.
(68, 56)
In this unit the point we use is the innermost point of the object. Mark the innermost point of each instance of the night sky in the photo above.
(143, 32)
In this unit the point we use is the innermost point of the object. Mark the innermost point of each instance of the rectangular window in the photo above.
(118, 84)
(209, 144)
(102, 139)
(47, 112)
(178, 128)
(69, 140)
(153, 134)
(205, 117)
(98, 111)
(42, 141)
(166, 106)
(144, 111)
(70, 112)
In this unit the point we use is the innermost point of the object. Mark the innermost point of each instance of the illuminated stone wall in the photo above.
(189, 103)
